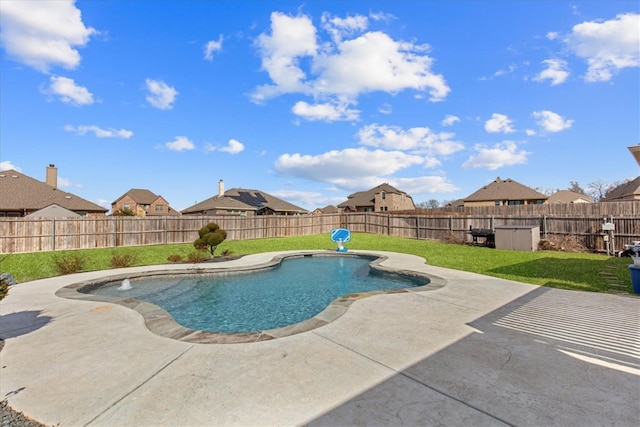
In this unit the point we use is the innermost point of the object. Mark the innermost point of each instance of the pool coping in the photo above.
(161, 323)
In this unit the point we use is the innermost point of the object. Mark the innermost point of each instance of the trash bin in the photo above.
(635, 278)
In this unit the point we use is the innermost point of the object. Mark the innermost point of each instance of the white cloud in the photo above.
(342, 27)
(498, 123)
(42, 34)
(346, 167)
(385, 109)
(607, 46)
(418, 139)
(449, 120)
(233, 147)
(551, 122)
(326, 112)
(552, 35)
(99, 132)
(180, 143)
(342, 68)
(7, 165)
(500, 155)
(291, 39)
(530, 132)
(424, 185)
(67, 183)
(69, 92)
(556, 72)
(160, 94)
(211, 47)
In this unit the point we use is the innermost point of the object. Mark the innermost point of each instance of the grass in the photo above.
(575, 271)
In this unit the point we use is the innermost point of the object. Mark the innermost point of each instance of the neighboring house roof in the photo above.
(53, 211)
(568, 196)
(146, 197)
(21, 192)
(140, 196)
(628, 190)
(244, 199)
(329, 209)
(505, 190)
(367, 198)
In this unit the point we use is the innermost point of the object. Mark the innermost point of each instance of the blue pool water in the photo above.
(296, 290)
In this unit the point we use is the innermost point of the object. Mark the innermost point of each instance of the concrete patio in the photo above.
(476, 351)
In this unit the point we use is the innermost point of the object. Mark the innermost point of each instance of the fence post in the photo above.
(53, 235)
(115, 231)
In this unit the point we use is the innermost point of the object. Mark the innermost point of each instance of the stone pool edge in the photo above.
(161, 323)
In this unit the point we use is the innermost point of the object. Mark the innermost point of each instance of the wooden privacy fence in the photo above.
(19, 235)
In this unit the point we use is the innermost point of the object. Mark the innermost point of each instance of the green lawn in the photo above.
(553, 269)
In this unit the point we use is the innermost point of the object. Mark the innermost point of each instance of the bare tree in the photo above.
(597, 189)
(575, 187)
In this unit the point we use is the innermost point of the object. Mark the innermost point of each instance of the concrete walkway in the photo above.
(477, 351)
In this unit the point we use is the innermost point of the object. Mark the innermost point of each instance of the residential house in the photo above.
(630, 190)
(244, 202)
(143, 203)
(329, 209)
(505, 192)
(382, 198)
(53, 211)
(22, 195)
(568, 197)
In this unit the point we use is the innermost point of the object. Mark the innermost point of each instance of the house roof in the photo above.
(140, 196)
(53, 211)
(328, 209)
(507, 189)
(367, 198)
(627, 189)
(568, 196)
(21, 192)
(244, 199)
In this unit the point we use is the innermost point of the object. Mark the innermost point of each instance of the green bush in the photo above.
(126, 259)
(211, 235)
(69, 263)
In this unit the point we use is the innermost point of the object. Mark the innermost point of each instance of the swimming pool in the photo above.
(295, 305)
(295, 290)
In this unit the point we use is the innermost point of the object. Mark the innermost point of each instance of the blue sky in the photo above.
(312, 101)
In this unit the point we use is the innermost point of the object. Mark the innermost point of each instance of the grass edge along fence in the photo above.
(21, 235)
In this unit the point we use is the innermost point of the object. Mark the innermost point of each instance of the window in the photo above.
(383, 195)
(159, 208)
(497, 202)
(126, 206)
(515, 202)
(383, 208)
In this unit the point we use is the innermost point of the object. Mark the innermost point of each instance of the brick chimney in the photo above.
(52, 176)
(220, 188)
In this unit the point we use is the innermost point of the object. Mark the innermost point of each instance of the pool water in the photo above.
(295, 290)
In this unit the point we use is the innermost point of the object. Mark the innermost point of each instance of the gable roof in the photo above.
(140, 196)
(505, 190)
(568, 196)
(328, 209)
(23, 193)
(53, 211)
(244, 199)
(626, 190)
(367, 198)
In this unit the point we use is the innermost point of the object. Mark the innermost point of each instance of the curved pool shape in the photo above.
(290, 295)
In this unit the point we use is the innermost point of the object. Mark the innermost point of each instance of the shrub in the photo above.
(4, 287)
(196, 257)
(126, 259)
(211, 235)
(174, 258)
(69, 263)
